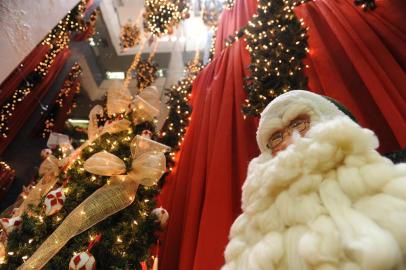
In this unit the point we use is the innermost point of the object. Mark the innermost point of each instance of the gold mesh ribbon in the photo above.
(104, 202)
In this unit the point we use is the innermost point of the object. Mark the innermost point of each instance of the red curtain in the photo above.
(203, 193)
(359, 58)
(31, 101)
(233, 20)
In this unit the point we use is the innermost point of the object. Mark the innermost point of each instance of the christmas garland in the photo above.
(57, 40)
(180, 110)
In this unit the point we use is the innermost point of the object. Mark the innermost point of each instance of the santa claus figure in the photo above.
(319, 196)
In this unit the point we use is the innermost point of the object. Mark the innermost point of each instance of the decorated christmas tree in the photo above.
(277, 44)
(104, 191)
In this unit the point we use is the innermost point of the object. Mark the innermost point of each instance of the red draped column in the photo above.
(359, 58)
(203, 193)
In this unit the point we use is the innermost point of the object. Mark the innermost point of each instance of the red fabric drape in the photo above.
(31, 101)
(359, 58)
(11, 83)
(233, 20)
(203, 193)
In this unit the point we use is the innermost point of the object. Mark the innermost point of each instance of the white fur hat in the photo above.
(286, 107)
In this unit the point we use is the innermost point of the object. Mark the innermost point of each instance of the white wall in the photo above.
(24, 24)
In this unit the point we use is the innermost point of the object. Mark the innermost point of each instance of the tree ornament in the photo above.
(85, 260)
(146, 134)
(82, 261)
(9, 224)
(161, 215)
(46, 152)
(54, 201)
(130, 36)
(146, 73)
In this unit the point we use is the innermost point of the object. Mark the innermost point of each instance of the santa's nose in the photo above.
(287, 140)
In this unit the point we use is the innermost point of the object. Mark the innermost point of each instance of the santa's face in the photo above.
(282, 138)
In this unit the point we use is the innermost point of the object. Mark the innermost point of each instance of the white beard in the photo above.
(329, 201)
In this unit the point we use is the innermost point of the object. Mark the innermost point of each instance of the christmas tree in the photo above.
(277, 44)
(105, 189)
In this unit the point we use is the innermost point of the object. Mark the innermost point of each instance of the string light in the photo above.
(277, 43)
(161, 16)
(178, 119)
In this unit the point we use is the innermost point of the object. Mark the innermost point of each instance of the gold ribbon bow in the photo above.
(147, 167)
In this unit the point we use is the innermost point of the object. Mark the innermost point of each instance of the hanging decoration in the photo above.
(162, 16)
(57, 40)
(211, 12)
(174, 128)
(146, 70)
(146, 73)
(130, 36)
(277, 44)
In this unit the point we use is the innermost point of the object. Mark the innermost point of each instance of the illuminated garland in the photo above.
(277, 44)
(180, 110)
(57, 40)
(130, 36)
(161, 16)
(146, 73)
(213, 44)
(71, 85)
(4, 166)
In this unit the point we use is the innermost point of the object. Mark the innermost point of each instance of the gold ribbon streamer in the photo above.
(103, 203)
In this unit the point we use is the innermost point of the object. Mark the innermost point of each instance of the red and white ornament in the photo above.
(9, 224)
(54, 201)
(82, 261)
(162, 216)
(145, 134)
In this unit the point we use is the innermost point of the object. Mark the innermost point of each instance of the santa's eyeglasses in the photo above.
(299, 125)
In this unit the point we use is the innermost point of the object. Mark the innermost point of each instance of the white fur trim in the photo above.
(286, 107)
(329, 201)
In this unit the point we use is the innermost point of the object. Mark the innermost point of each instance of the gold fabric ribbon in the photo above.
(147, 167)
